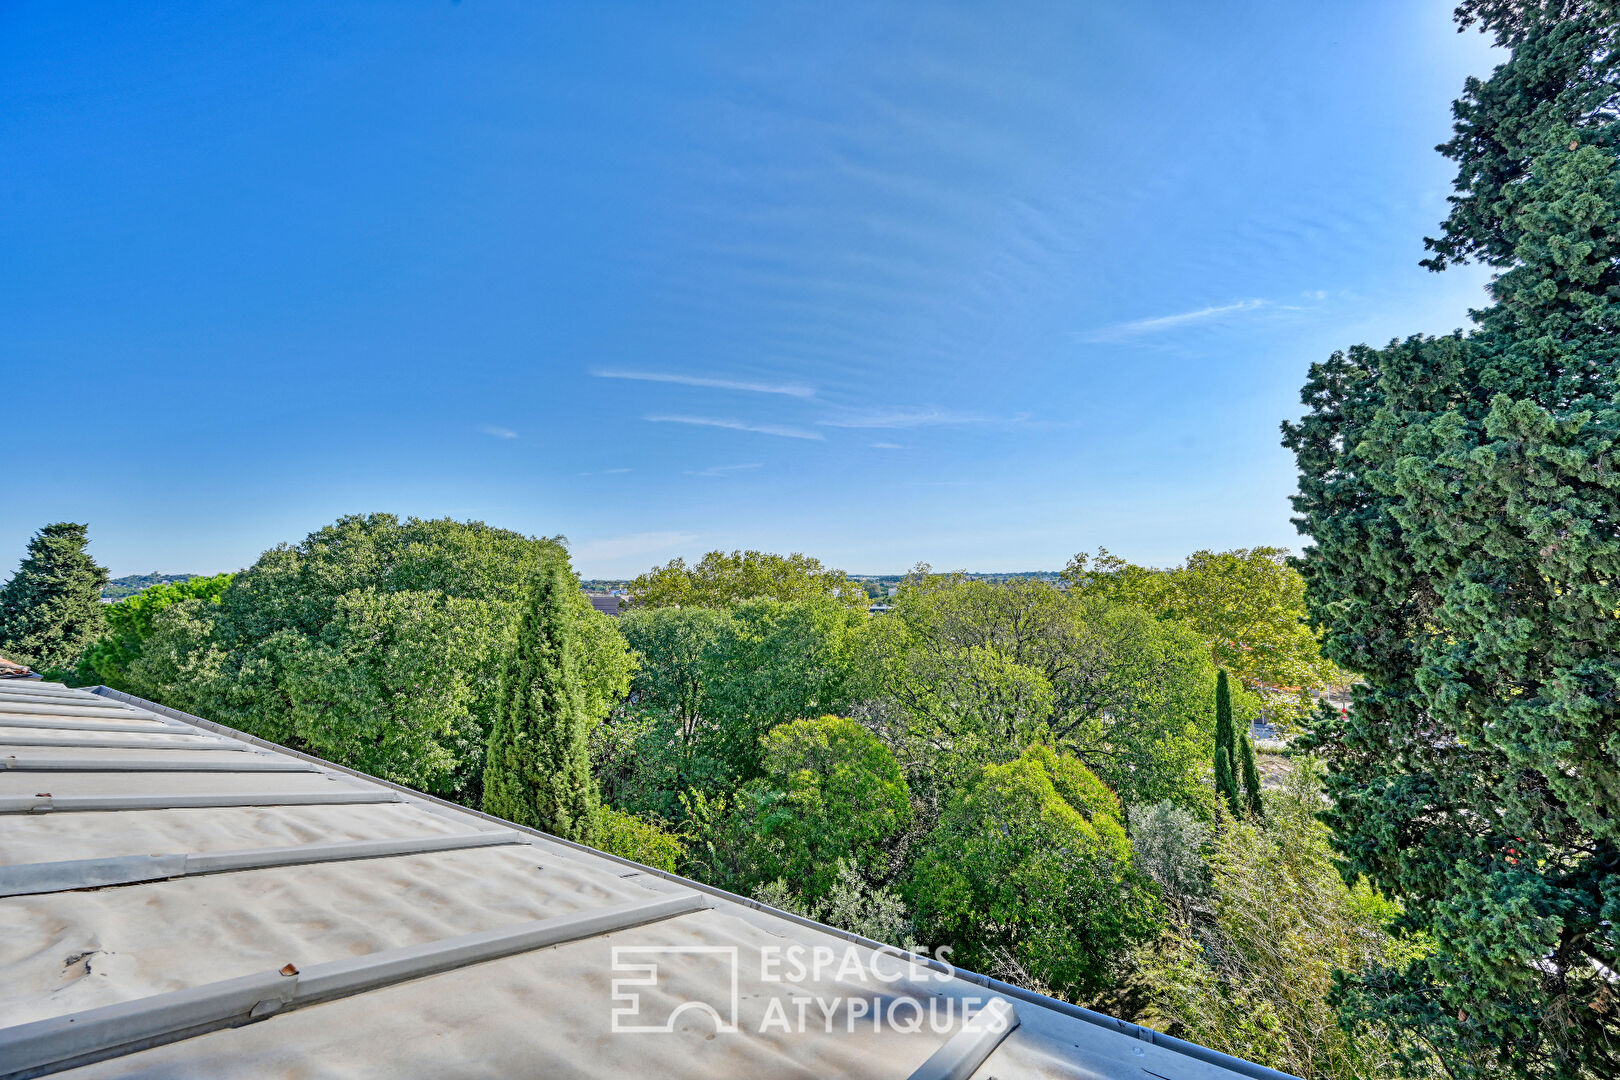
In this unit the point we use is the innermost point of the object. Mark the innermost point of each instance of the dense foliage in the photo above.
(711, 683)
(1260, 925)
(1246, 605)
(969, 673)
(952, 772)
(375, 642)
(50, 609)
(131, 621)
(830, 791)
(638, 839)
(1465, 508)
(719, 580)
(1030, 873)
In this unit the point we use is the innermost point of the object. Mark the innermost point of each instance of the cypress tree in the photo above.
(538, 772)
(50, 610)
(1226, 784)
(1251, 778)
(1462, 498)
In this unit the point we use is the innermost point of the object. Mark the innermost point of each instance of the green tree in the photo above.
(1251, 777)
(1464, 508)
(710, 685)
(664, 741)
(375, 642)
(976, 672)
(719, 580)
(831, 791)
(538, 771)
(1247, 605)
(50, 609)
(1226, 784)
(1226, 780)
(1029, 873)
(131, 621)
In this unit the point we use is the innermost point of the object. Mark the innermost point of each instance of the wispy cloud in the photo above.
(905, 418)
(887, 446)
(722, 470)
(780, 430)
(498, 432)
(797, 390)
(605, 472)
(1140, 327)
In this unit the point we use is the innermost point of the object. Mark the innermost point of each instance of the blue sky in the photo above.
(977, 285)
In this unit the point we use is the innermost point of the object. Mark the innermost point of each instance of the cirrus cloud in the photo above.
(781, 431)
(746, 386)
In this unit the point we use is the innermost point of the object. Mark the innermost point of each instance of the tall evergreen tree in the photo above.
(50, 610)
(1251, 777)
(1464, 501)
(538, 772)
(1226, 751)
(1226, 785)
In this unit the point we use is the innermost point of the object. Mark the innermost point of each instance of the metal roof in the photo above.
(181, 899)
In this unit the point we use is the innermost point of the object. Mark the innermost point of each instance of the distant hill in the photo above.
(118, 588)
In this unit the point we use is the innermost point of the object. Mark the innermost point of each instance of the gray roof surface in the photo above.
(178, 899)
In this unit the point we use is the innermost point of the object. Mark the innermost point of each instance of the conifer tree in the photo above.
(538, 772)
(1226, 783)
(1251, 777)
(1464, 504)
(50, 610)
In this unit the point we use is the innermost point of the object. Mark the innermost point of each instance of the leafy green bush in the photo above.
(831, 791)
(1032, 868)
(852, 903)
(640, 840)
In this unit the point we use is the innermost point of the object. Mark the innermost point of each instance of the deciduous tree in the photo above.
(1031, 868)
(374, 642)
(830, 791)
(719, 580)
(979, 671)
(131, 621)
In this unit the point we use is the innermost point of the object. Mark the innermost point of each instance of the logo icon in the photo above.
(655, 985)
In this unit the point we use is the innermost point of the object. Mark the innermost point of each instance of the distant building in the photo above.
(611, 604)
